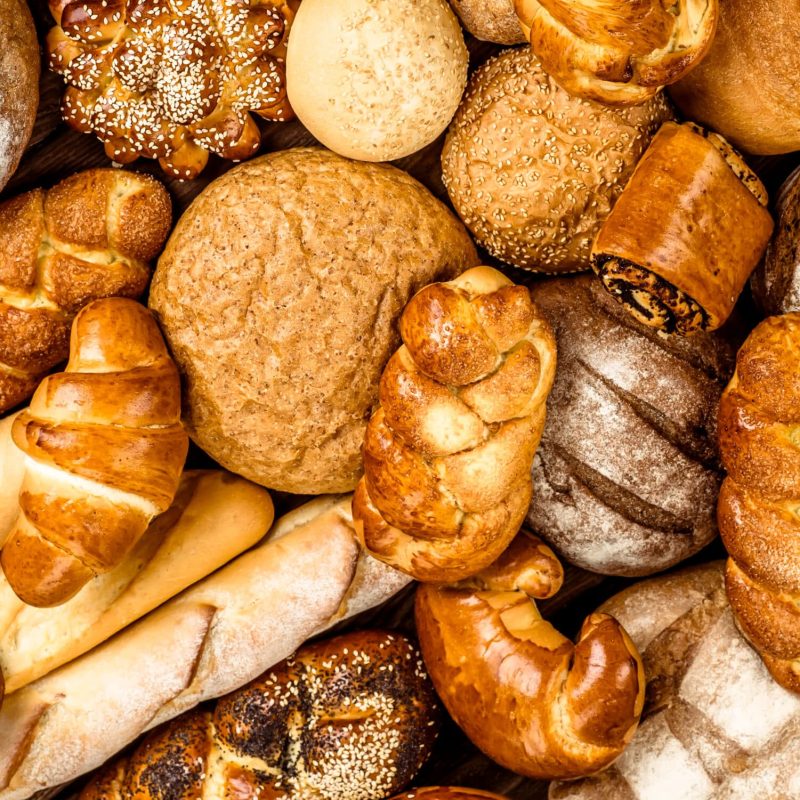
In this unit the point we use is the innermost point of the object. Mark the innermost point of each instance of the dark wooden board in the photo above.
(55, 152)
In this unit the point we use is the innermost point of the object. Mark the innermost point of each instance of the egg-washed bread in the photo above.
(715, 725)
(215, 516)
(534, 172)
(376, 80)
(279, 293)
(747, 87)
(490, 20)
(19, 84)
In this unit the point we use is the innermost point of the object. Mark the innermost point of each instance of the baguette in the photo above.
(229, 628)
(214, 518)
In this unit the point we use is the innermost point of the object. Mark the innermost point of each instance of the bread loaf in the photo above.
(524, 694)
(104, 450)
(351, 718)
(626, 478)
(715, 725)
(618, 53)
(758, 503)
(447, 454)
(686, 232)
(215, 517)
(490, 20)
(447, 793)
(308, 574)
(90, 236)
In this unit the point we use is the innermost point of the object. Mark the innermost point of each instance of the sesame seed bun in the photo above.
(533, 171)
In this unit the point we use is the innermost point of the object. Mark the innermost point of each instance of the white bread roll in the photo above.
(309, 573)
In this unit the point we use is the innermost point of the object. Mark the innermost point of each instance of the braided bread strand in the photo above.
(448, 454)
(759, 503)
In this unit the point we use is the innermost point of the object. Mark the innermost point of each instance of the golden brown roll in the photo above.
(105, 448)
(685, 234)
(618, 53)
(758, 511)
(523, 693)
(448, 793)
(351, 718)
(447, 455)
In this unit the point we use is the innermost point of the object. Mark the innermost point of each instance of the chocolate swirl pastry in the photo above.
(626, 478)
(685, 234)
(172, 79)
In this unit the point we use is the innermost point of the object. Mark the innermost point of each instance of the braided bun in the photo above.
(105, 448)
(758, 503)
(447, 455)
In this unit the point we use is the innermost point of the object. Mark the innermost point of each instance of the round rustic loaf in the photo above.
(626, 477)
(715, 725)
(533, 171)
(279, 291)
(19, 83)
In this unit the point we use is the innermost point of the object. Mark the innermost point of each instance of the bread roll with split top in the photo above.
(104, 450)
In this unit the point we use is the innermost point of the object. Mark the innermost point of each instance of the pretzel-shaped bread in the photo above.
(448, 454)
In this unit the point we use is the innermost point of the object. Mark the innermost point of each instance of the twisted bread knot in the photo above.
(90, 236)
(522, 692)
(618, 53)
(447, 456)
(759, 503)
(105, 448)
(172, 79)
(345, 719)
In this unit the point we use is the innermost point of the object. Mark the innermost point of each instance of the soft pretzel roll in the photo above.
(759, 501)
(105, 448)
(686, 232)
(90, 236)
(524, 694)
(447, 455)
(448, 793)
(618, 53)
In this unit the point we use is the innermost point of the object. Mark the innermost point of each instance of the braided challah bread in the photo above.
(351, 718)
(91, 236)
(524, 694)
(618, 53)
(759, 500)
(447, 455)
(105, 448)
(172, 79)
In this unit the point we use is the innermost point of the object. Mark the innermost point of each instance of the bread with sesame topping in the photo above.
(93, 235)
(533, 171)
(307, 574)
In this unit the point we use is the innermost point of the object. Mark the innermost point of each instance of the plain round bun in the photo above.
(19, 83)
(376, 80)
(279, 293)
(490, 20)
(748, 86)
(533, 171)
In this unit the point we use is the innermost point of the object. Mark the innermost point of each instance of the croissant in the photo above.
(524, 694)
(448, 454)
(105, 448)
(618, 52)
(759, 503)
(90, 236)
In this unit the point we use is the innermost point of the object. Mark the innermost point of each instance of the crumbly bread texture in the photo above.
(626, 478)
(533, 171)
(282, 328)
(715, 724)
(19, 83)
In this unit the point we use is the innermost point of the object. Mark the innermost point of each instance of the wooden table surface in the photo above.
(55, 152)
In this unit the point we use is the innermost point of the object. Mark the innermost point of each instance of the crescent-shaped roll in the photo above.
(528, 697)
(447, 455)
(618, 52)
(686, 232)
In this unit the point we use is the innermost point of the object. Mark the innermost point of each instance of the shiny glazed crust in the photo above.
(447, 455)
(522, 692)
(105, 448)
(618, 53)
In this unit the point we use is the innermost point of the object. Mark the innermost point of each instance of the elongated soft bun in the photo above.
(533, 171)
(282, 328)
